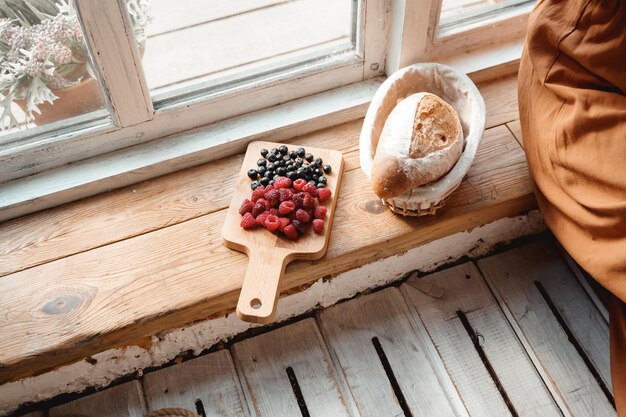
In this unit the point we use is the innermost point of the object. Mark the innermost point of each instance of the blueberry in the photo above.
(261, 170)
(271, 166)
(319, 162)
(254, 184)
(327, 169)
(307, 170)
(275, 176)
(271, 157)
(291, 167)
(311, 182)
(271, 182)
(292, 175)
(300, 152)
(293, 155)
(317, 171)
(315, 178)
(323, 180)
(252, 173)
(265, 181)
(300, 172)
(283, 150)
(281, 171)
(269, 174)
(274, 151)
(299, 161)
(314, 165)
(287, 159)
(309, 157)
(320, 185)
(264, 152)
(261, 162)
(279, 163)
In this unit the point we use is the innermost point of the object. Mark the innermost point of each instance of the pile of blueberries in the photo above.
(280, 162)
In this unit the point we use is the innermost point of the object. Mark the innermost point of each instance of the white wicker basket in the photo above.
(452, 86)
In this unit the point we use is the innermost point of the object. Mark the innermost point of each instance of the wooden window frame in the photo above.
(415, 35)
(138, 141)
(135, 120)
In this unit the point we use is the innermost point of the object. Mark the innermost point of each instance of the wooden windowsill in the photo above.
(116, 268)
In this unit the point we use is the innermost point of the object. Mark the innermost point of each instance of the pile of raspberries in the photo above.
(286, 208)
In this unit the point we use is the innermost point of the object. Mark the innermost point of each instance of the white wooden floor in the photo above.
(515, 334)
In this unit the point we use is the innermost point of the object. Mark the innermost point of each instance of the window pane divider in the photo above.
(117, 60)
(414, 25)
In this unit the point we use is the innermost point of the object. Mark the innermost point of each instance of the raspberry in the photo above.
(248, 221)
(298, 199)
(257, 193)
(300, 227)
(308, 201)
(310, 188)
(299, 184)
(303, 216)
(318, 226)
(260, 219)
(273, 196)
(264, 203)
(320, 212)
(258, 209)
(272, 223)
(284, 221)
(286, 207)
(282, 182)
(323, 194)
(290, 232)
(273, 211)
(246, 207)
(286, 194)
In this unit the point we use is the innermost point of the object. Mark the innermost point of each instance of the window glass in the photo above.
(205, 43)
(459, 12)
(45, 70)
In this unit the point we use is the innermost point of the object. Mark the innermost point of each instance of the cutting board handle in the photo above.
(259, 291)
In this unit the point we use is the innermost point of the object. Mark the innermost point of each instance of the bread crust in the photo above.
(420, 142)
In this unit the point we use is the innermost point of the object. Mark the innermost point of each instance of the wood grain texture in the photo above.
(513, 275)
(150, 205)
(212, 379)
(124, 400)
(502, 108)
(348, 329)
(165, 201)
(463, 289)
(269, 254)
(180, 269)
(264, 360)
(516, 129)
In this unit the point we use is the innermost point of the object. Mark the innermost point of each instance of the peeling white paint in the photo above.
(115, 363)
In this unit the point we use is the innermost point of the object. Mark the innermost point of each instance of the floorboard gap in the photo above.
(572, 339)
(475, 337)
(297, 392)
(392, 377)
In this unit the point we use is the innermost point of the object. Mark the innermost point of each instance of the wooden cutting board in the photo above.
(268, 253)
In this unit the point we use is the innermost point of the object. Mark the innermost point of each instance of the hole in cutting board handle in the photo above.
(255, 303)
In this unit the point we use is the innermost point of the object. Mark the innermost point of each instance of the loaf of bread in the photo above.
(420, 142)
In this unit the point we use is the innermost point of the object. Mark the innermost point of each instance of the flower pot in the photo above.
(81, 98)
